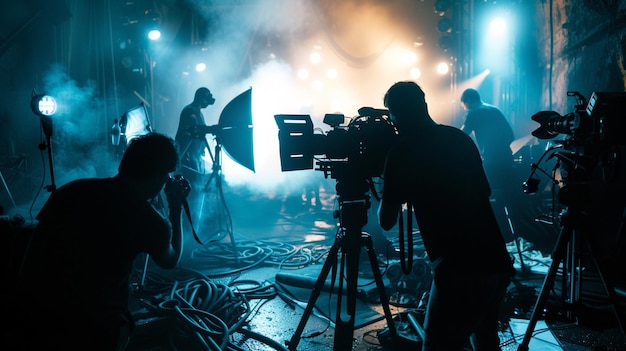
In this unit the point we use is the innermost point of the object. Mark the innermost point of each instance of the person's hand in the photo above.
(176, 190)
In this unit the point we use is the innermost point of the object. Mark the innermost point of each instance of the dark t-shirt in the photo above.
(89, 233)
(493, 133)
(439, 170)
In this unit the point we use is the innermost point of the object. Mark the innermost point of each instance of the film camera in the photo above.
(596, 130)
(359, 146)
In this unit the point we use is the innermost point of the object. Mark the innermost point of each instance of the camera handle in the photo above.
(350, 239)
(572, 230)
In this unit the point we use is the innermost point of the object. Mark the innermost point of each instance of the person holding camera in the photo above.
(73, 290)
(436, 170)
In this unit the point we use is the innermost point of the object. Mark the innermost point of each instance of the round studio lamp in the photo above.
(43, 105)
(235, 129)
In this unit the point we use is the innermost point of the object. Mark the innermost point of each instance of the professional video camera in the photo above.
(352, 154)
(591, 191)
(596, 130)
(599, 121)
(360, 146)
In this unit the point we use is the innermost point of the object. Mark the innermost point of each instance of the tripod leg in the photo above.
(515, 239)
(317, 289)
(384, 300)
(344, 329)
(608, 286)
(557, 257)
(6, 187)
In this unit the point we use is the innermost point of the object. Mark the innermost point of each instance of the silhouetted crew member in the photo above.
(73, 293)
(190, 136)
(437, 169)
(493, 135)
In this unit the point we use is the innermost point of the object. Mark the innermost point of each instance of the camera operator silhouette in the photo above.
(73, 289)
(436, 170)
(493, 135)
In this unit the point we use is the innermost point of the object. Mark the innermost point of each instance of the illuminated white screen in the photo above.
(135, 122)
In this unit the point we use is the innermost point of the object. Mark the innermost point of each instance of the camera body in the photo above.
(595, 132)
(177, 188)
(361, 145)
(598, 121)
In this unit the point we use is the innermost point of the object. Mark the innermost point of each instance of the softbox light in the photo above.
(234, 130)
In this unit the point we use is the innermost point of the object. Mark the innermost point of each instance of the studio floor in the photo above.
(250, 289)
(248, 273)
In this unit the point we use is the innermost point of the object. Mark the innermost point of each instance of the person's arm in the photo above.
(176, 191)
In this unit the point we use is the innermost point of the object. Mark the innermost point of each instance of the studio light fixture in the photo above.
(154, 34)
(43, 105)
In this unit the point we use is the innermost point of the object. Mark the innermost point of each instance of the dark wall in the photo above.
(586, 53)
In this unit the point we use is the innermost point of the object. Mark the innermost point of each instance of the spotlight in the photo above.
(443, 68)
(154, 34)
(43, 105)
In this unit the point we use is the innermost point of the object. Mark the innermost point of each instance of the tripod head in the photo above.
(351, 189)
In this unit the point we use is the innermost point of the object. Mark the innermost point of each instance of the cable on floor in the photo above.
(202, 314)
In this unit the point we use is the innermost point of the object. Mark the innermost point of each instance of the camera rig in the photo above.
(590, 167)
(360, 145)
(352, 154)
(596, 131)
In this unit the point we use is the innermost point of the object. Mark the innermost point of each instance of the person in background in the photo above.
(192, 146)
(493, 136)
(437, 170)
(190, 136)
(73, 291)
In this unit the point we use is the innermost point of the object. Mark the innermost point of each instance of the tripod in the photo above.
(224, 226)
(353, 205)
(217, 177)
(573, 228)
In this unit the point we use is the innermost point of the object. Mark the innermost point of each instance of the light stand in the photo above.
(353, 205)
(46, 123)
(45, 106)
(217, 177)
(233, 134)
